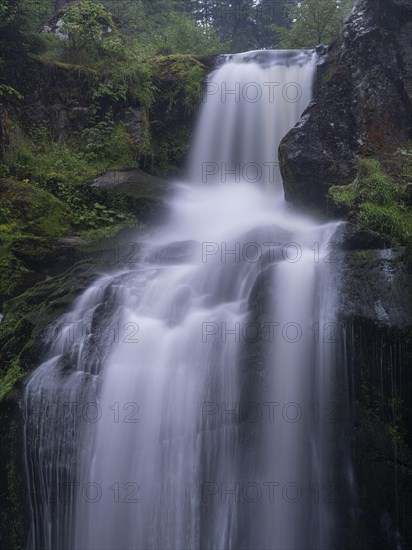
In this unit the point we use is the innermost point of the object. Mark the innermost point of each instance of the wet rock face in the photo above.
(375, 287)
(380, 432)
(375, 311)
(362, 105)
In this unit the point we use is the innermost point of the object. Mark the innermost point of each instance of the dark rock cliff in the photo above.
(375, 320)
(363, 104)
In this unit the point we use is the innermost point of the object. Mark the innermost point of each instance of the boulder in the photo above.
(362, 104)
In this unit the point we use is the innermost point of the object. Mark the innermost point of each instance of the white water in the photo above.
(142, 450)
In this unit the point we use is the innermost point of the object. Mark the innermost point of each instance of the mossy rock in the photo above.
(35, 209)
(34, 241)
(23, 343)
(35, 218)
(30, 248)
(179, 82)
(27, 316)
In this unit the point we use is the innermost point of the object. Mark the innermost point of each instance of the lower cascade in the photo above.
(189, 399)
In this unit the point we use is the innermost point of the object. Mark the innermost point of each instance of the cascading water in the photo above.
(184, 402)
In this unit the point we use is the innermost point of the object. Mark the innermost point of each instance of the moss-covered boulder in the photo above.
(31, 218)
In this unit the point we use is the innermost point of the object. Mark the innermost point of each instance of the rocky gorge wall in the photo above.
(362, 105)
(66, 99)
(374, 309)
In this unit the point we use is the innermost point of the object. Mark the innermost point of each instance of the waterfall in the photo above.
(189, 401)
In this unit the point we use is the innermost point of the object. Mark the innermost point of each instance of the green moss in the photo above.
(51, 57)
(9, 378)
(13, 274)
(180, 58)
(194, 88)
(185, 75)
(343, 197)
(107, 232)
(33, 211)
(393, 221)
(179, 83)
(374, 203)
(373, 185)
(36, 218)
(26, 316)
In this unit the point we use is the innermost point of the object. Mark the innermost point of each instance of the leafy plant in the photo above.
(92, 215)
(374, 202)
(90, 30)
(46, 162)
(97, 137)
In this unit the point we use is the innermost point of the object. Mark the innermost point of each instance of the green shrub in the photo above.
(98, 148)
(112, 89)
(97, 138)
(90, 31)
(123, 82)
(22, 160)
(87, 213)
(5, 214)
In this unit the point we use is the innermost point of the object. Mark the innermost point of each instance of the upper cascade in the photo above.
(269, 58)
(251, 102)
